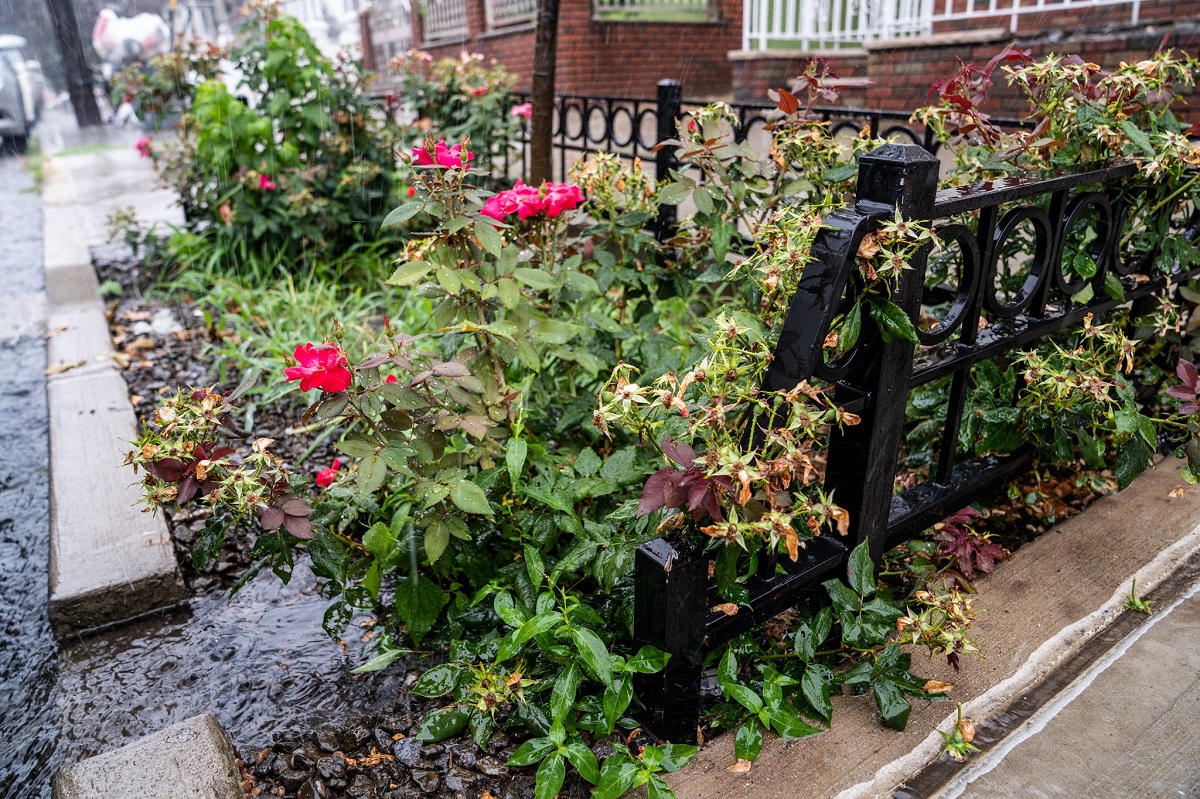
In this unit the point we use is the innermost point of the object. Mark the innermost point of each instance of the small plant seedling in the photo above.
(958, 741)
(1137, 604)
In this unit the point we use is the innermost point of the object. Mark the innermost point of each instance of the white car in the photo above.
(22, 90)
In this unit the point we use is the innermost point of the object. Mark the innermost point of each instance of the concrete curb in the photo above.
(190, 760)
(108, 561)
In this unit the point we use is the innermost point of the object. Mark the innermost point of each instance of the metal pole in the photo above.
(670, 106)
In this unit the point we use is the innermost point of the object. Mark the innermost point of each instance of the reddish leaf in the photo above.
(295, 507)
(188, 487)
(788, 103)
(662, 490)
(298, 526)
(271, 518)
(451, 369)
(682, 454)
(170, 470)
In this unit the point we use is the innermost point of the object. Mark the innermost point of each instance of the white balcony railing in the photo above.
(662, 10)
(501, 13)
(834, 24)
(444, 19)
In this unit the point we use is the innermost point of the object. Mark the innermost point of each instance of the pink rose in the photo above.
(523, 110)
(561, 197)
(143, 147)
(265, 183)
(324, 367)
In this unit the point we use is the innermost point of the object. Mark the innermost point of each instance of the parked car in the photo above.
(14, 125)
(22, 90)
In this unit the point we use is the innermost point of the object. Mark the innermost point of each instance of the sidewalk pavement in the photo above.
(1075, 697)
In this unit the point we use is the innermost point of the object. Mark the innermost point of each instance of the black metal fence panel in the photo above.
(876, 377)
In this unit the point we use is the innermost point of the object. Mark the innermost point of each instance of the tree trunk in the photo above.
(75, 68)
(544, 56)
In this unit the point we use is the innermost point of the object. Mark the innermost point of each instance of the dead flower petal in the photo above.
(740, 767)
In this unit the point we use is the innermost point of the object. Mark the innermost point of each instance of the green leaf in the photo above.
(489, 239)
(851, 328)
(583, 760)
(676, 756)
(372, 471)
(703, 200)
(862, 570)
(811, 634)
(648, 660)
(509, 291)
(553, 331)
(410, 273)
(789, 725)
(438, 681)
(514, 459)
(727, 669)
(535, 279)
(550, 776)
(1132, 459)
(893, 322)
(541, 623)
(534, 565)
(531, 752)
(1137, 136)
(562, 697)
(749, 741)
(378, 662)
(657, 789)
(587, 462)
(437, 538)
(619, 467)
(441, 724)
(817, 687)
(419, 602)
(470, 498)
(507, 610)
(617, 776)
(593, 653)
(674, 193)
(616, 700)
(891, 703)
(744, 696)
(1113, 287)
(402, 214)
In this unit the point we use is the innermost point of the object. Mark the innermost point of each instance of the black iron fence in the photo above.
(674, 595)
(632, 129)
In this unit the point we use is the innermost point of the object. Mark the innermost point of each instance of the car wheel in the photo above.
(18, 144)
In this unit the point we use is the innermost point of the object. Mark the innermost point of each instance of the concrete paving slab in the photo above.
(78, 337)
(190, 760)
(1053, 595)
(108, 560)
(1125, 728)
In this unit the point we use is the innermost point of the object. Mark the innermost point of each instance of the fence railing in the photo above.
(509, 12)
(632, 129)
(674, 594)
(831, 24)
(443, 19)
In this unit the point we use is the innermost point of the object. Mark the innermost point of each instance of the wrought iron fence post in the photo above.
(670, 105)
(862, 459)
(670, 607)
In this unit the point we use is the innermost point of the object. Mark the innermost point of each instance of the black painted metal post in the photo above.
(862, 459)
(670, 106)
(670, 606)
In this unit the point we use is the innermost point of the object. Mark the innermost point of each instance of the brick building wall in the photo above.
(623, 58)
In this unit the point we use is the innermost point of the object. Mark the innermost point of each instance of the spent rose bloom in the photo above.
(325, 477)
(522, 110)
(265, 183)
(143, 147)
(324, 367)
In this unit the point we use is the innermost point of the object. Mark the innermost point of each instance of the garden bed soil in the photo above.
(160, 345)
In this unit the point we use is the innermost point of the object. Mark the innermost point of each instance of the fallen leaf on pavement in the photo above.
(59, 368)
(740, 767)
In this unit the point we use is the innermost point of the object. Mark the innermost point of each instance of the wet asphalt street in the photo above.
(28, 663)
